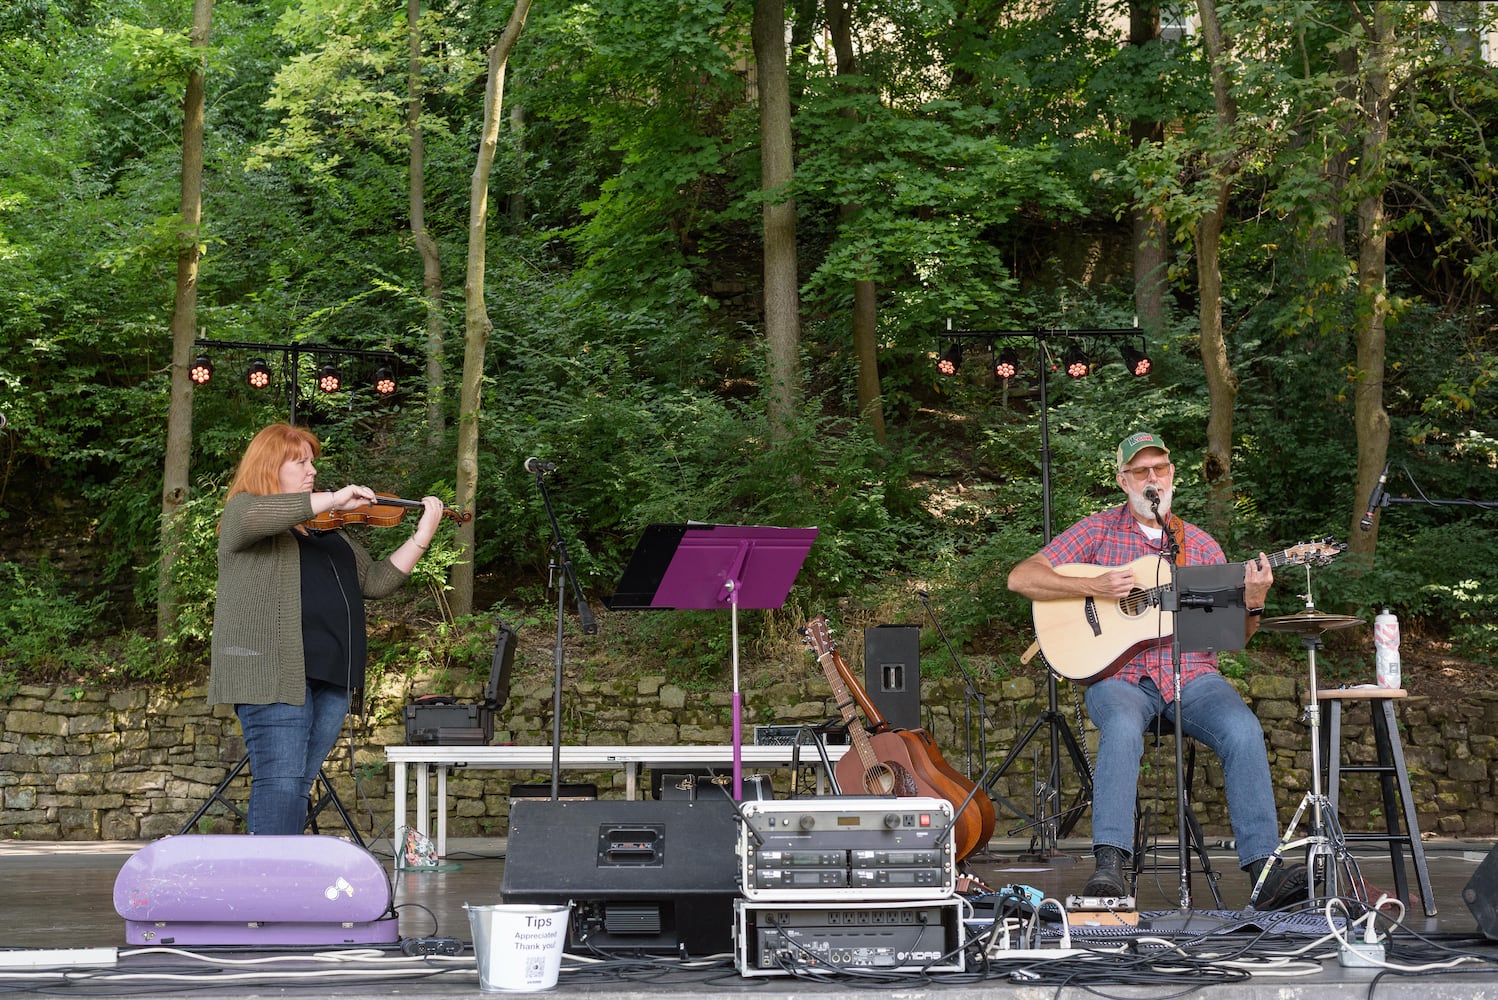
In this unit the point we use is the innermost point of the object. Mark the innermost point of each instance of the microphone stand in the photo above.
(1380, 499)
(971, 694)
(563, 565)
(1172, 553)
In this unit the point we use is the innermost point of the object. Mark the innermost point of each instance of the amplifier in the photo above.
(847, 848)
(783, 939)
(784, 736)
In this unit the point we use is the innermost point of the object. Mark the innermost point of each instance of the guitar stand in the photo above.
(815, 735)
(315, 804)
(1049, 828)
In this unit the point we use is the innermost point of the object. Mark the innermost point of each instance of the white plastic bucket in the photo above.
(519, 947)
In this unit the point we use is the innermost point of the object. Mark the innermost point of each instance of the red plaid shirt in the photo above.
(1113, 538)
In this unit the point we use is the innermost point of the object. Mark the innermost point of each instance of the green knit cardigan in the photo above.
(257, 617)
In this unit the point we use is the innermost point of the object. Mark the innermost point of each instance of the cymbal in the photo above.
(1309, 622)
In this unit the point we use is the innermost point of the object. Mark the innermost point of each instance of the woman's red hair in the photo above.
(259, 470)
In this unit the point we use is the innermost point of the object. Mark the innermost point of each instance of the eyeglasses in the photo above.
(1140, 473)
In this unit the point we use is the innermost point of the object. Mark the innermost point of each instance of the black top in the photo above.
(333, 637)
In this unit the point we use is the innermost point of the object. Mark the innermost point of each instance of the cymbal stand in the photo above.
(1326, 847)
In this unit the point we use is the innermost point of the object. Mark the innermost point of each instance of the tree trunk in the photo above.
(1369, 416)
(1222, 381)
(782, 290)
(1150, 237)
(426, 246)
(476, 322)
(176, 486)
(865, 292)
(519, 209)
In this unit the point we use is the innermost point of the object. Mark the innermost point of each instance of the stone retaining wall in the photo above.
(80, 765)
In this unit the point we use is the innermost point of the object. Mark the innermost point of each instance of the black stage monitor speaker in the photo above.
(657, 877)
(1481, 895)
(892, 673)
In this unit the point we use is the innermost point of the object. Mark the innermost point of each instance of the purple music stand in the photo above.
(699, 567)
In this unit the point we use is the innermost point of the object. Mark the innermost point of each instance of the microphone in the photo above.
(1152, 495)
(536, 467)
(1375, 499)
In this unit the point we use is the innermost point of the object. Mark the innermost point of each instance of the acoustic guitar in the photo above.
(901, 762)
(1087, 639)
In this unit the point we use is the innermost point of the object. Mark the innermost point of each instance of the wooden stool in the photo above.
(1393, 779)
(1146, 830)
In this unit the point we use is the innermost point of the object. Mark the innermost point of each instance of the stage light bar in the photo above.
(258, 375)
(1135, 360)
(201, 370)
(1006, 363)
(329, 379)
(950, 360)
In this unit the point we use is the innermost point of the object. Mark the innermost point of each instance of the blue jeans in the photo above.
(1213, 713)
(287, 746)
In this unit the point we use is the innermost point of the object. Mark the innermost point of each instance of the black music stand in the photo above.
(699, 567)
(1210, 614)
(1210, 617)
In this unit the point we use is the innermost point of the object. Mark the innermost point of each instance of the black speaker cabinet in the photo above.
(643, 876)
(892, 673)
(1481, 895)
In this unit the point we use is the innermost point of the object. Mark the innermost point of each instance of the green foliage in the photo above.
(194, 573)
(441, 656)
(43, 624)
(972, 168)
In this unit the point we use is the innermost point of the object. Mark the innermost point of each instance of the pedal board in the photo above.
(1101, 911)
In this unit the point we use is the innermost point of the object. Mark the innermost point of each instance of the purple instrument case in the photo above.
(229, 889)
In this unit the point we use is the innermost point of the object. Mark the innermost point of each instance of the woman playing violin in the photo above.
(288, 625)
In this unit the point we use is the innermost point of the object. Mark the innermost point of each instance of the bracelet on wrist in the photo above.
(1254, 612)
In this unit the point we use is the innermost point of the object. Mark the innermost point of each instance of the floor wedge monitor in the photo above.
(643, 876)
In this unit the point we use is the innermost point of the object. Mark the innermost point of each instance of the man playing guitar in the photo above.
(1126, 699)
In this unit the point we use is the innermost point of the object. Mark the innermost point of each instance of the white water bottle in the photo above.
(1386, 649)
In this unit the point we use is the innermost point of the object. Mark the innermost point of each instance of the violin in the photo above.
(386, 513)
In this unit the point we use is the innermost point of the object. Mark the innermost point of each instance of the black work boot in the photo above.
(1108, 878)
(1286, 885)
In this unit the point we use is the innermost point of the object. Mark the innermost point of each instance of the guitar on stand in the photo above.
(900, 762)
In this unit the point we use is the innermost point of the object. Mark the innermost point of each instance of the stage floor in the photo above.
(58, 906)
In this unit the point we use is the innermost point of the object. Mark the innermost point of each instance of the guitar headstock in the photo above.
(818, 637)
(1317, 552)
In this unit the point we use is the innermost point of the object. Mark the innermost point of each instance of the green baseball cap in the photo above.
(1137, 442)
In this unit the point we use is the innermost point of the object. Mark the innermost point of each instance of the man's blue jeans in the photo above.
(287, 746)
(1213, 714)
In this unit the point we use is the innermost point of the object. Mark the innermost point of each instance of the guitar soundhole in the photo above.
(879, 780)
(1136, 604)
(889, 779)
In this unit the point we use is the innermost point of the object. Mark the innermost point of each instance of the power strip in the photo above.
(1360, 955)
(58, 958)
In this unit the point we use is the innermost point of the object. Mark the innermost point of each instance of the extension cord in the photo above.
(58, 958)
(1360, 955)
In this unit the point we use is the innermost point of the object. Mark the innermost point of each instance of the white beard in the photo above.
(1139, 506)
